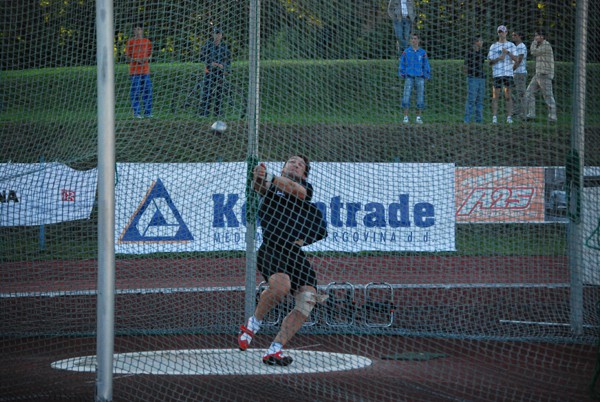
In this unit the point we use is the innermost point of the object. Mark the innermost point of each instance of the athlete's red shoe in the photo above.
(245, 342)
(277, 359)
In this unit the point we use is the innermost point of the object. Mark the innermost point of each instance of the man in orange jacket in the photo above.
(139, 52)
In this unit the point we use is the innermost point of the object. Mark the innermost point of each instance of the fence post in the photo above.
(106, 201)
(253, 119)
(575, 169)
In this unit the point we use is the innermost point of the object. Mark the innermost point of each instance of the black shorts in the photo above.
(289, 259)
(506, 82)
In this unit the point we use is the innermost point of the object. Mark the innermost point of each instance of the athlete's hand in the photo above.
(260, 171)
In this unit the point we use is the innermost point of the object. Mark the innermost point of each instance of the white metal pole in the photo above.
(575, 226)
(106, 200)
(253, 121)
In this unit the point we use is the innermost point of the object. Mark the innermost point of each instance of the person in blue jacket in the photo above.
(414, 69)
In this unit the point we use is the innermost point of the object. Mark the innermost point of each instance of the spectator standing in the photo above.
(217, 57)
(502, 57)
(544, 74)
(414, 69)
(520, 75)
(138, 52)
(402, 13)
(473, 68)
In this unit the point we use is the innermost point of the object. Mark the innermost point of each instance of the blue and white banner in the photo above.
(590, 228)
(37, 194)
(368, 206)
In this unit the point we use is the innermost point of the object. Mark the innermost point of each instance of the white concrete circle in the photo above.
(216, 362)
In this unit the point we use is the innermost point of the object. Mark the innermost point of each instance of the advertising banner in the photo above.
(591, 226)
(38, 194)
(367, 206)
(500, 194)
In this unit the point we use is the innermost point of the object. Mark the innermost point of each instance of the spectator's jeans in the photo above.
(141, 86)
(402, 28)
(212, 94)
(541, 82)
(474, 104)
(419, 84)
(518, 94)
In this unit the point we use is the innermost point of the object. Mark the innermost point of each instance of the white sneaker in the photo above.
(419, 121)
(494, 120)
(552, 117)
(405, 119)
(509, 120)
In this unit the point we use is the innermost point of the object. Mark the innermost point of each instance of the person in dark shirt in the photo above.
(473, 68)
(280, 259)
(217, 56)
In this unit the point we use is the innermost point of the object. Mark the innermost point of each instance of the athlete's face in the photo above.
(295, 168)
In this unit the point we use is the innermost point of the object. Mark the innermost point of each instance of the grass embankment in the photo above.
(331, 110)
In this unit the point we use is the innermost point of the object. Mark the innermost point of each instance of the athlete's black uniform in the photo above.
(281, 220)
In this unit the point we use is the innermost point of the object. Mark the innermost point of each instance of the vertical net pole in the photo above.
(576, 163)
(42, 239)
(106, 200)
(253, 120)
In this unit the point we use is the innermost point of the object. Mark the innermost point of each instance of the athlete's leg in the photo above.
(306, 299)
(279, 288)
(304, 285)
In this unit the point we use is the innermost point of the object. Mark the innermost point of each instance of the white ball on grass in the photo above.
(219, 126)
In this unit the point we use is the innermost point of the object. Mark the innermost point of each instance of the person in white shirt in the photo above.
(502, 56)
(520, 76)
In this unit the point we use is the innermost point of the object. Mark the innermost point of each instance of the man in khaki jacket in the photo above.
(544, 74)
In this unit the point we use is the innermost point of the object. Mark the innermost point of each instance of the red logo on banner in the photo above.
(67, 195)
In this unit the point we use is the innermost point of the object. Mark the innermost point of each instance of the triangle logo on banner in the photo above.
(156, 219)
(593, 241)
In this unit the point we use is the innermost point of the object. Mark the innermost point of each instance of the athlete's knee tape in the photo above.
(305, 302)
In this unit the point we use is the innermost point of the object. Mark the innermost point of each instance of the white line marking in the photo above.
(543, 323)
(92, 292)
